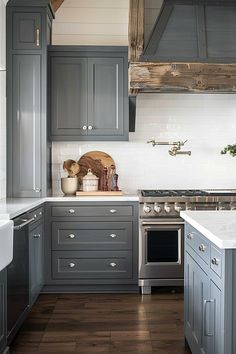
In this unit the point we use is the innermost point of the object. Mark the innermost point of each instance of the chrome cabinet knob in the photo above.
(40, 213)
(157, 208)
(167, 208)
(37, 190)
(72, 211)
(147, 209)
(71, 236)
(202, 247)
(178, 207)
(113, 211)
(90, 127)
(85, 127)
(190, 236)
(113, 265)
(215, 261)
(113, 235)
(37, 236)
(71, 265)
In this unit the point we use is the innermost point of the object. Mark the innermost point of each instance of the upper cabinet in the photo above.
(89, 93)
(27, 29)
(2, 35)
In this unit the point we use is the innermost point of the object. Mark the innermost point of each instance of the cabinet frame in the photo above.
(91, 53)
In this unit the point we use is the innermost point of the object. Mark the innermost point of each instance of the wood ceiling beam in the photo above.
(191, 77)
(136, 29)
(56, 4)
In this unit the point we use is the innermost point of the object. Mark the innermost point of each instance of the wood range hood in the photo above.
(191, 48)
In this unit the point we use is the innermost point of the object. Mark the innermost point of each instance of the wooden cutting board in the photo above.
(96, 160)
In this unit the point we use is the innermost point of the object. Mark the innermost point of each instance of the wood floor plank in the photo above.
(104, 323)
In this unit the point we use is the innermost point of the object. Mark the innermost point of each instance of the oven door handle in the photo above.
(162, 223)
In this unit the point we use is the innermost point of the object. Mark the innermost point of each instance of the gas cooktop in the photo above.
(186, 193)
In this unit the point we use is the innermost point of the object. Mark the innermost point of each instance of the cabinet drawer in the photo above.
(111, 210)
(91, 265)
(216, 260)
(199, 243)
(91, 236)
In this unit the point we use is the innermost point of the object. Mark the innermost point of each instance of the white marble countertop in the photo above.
(13, 207)
(217, 226)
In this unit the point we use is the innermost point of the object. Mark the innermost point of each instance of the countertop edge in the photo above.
(222, 244)
(18, 206)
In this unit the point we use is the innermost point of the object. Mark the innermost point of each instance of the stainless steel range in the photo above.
(162, 231)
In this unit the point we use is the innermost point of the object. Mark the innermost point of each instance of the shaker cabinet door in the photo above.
(26, 129)
(68, 97)
(26, 30)
(106, 96)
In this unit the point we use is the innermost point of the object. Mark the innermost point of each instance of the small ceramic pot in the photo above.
(90, 182)
(69, 185)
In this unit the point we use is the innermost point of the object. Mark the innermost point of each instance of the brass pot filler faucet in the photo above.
(176, 148)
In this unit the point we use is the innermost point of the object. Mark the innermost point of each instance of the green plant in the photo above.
(231, 149)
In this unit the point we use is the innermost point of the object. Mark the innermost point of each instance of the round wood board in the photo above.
(96, 160)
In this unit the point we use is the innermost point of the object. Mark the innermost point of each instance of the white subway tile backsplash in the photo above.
(207, 121)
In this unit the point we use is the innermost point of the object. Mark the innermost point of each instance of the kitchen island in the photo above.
(210, 281)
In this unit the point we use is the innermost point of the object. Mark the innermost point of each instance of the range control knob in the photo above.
(157, 208)
(188, 206)
(178, 207)
(232, 206)
(147, 209)
(167, 208)
(221, 206)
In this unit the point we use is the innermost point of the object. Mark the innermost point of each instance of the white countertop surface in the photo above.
(13, 207)
(217, 226)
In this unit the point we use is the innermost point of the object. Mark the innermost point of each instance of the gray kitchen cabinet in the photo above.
(3, 305)
(69, 96)
(210, 290)
(28, 33)
(27, 29)
(89, 96)
(91, 247)
(35, 261)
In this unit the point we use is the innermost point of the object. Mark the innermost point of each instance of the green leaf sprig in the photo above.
(231, 149)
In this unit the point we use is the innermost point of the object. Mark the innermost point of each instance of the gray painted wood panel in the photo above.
(35, 262)
(27, 30)
(3, 305)
(27, 125)
(92, 236)
(106, 96)
(90, 211)
(92, 264)
(68, 96)
(216, 325)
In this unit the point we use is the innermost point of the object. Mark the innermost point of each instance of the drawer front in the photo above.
(92, 265)
(91, 236)
(73, 211)
(216, 260)
(200, 245)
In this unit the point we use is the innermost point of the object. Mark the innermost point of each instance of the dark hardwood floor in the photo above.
(104, 323)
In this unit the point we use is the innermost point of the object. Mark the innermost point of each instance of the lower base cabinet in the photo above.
(3, 324)
(91, 247)
(210, 292)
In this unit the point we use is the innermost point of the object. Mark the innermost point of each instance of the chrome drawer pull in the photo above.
(215, 261)
(71, 265)
(37, 236)
(190, 236)
(71, 211)
(37, 37)
(202, 248)
(113, 235)
(71, 236)
(113, 265)
(113, 211)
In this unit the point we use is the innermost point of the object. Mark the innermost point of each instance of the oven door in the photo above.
(162, 250)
